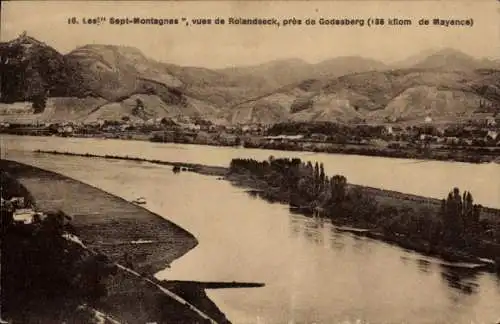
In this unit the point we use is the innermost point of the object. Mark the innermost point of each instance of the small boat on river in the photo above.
(139, 201)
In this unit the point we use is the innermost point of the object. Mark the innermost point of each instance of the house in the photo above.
(17, 202)
(492, 134)
(452, 140)
(24, 215)
(319, 137)
(490, 121)
(441, 140)
(125, 127)
(388, 130)
(68, 129)
(228, 139)
(214, 128)
(283, 138)
(231, 129)
(191, 127)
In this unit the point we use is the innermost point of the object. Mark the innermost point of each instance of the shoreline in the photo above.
(111, 214)
(113, 229)
(222, 173)
(191, 167)
(448, 154)
(473, 155)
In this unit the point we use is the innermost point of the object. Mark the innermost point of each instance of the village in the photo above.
(17, 210)
(333, 137)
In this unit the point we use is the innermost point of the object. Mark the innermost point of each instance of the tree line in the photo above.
(305, 185)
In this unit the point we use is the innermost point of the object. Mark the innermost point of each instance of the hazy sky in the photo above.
(229, 45)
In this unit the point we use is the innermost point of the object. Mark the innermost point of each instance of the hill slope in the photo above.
(110, 82)
(30, 68)
(396, 95)
(276, 74)
(446, 59)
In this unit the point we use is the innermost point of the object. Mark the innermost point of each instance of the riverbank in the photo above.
(434, 152)
(182, 166)
(414, 204)
(106, 222)
(111, 226)
(483, 259)
(438, 153)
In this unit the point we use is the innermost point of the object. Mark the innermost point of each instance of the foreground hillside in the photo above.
(395, 95)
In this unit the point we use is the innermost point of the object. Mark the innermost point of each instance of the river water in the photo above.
(312, 272)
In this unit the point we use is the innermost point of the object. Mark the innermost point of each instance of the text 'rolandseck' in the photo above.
(273, 21)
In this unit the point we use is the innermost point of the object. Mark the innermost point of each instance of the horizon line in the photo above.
(394, 63)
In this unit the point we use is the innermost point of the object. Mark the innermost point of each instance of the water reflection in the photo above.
(313, 272)
(336, 239)
(462, 279)
(262, 194)
(312, 230)
(362, 245)
(404, 259)
(254, 194)
(295, 226)
(423, 265)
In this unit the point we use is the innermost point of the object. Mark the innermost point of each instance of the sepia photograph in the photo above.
(250, 162)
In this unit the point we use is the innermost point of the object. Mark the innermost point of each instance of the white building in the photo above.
(490, 121)
(24, 215)
(492, 134)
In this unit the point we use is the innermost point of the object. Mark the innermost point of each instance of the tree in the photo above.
(309, 168)
(338, 189)
(322, 176)
(39, 102)
(460, 218)
(316, 177)
(139, 107)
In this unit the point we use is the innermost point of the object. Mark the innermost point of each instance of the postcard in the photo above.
(274, 162)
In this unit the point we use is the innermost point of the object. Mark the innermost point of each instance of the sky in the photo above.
(217, 46)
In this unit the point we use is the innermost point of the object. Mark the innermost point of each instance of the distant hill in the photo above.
(279, 73)
(110, 82)
(378, 95)
(119, 75)
(446, 59)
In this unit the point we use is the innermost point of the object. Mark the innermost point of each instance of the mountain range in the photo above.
(107, 82)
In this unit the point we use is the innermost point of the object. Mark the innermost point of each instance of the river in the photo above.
(427, 178)
(312, 272)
